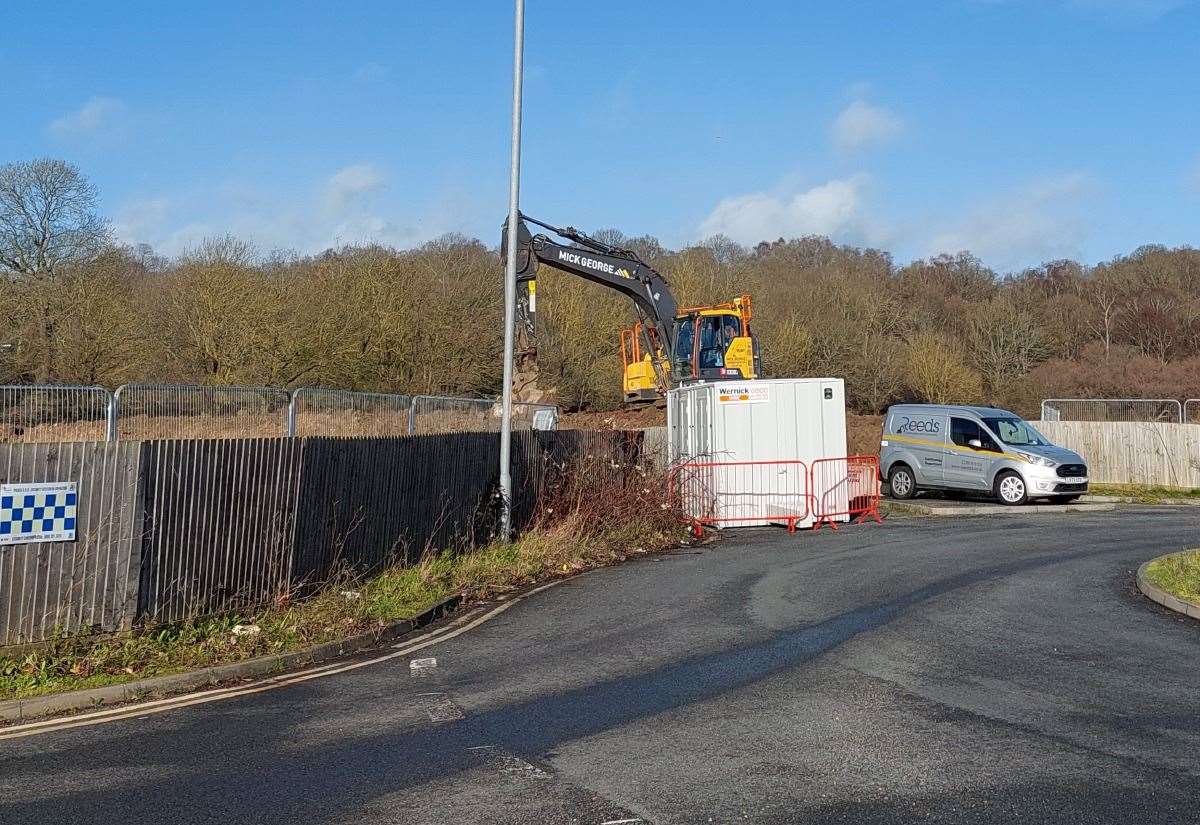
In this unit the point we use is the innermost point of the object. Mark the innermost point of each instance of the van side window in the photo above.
(962, 430)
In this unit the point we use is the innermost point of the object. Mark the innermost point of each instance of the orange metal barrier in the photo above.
(746, 493)
(845, 487)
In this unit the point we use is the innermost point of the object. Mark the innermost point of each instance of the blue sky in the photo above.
(1023, 130)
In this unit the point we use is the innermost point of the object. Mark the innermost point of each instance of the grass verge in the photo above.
(1178, 574)
(1140, 494)
(583, 523)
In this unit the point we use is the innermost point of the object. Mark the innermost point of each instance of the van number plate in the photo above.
(1075, 480)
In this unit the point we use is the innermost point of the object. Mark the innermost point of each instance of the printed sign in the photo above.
(908, 424)
(37, 512)
(743, 394)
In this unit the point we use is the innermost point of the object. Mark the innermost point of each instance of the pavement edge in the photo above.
(17, 710)
(1156, 594)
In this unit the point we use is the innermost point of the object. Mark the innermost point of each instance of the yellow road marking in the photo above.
(455, 628)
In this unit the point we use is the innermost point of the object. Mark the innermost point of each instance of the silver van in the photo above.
(974, 449)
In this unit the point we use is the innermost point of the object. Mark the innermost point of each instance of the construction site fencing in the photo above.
(844, 489)
(137, 412)
(1191, 411)
(1165, 410)
(320, 411)
(447, 414)
(176, 529)
(40, 413)
(741, 493)
(150, 411)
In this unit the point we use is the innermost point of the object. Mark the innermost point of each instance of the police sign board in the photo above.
(43, 511)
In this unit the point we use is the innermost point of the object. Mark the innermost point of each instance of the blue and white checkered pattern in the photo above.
(30, 514)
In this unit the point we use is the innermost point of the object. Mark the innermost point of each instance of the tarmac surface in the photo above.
(935, 670)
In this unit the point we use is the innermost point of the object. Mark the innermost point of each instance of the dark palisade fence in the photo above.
(169, 530)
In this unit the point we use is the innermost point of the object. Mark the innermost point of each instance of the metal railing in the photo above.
(61, 413)
(319, 411)
(146, 411)
(36, 413)
(1191, 411)
(1112, 409)
(447, 414)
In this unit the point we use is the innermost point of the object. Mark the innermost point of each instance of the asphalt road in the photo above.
(971, 670)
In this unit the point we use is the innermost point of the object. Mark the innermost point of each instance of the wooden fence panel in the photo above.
(89, 582)
(364, 503)
(220, 523)
(177, 529)
(1120, 452)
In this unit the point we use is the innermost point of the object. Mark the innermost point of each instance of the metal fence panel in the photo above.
(92, 581)
(152, 411)
(38, 413)
(1191, 411)
(325, 412)
(1112, 409)
(447, 414)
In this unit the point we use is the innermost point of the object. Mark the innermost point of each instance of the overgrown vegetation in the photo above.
(425, 320)
(591, 514)
(1145, 494)
(1178, 574)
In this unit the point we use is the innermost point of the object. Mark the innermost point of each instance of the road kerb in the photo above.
(16, 710)
(1168, 600)
(988, 509)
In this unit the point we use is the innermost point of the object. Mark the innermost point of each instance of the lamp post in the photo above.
(510, 278)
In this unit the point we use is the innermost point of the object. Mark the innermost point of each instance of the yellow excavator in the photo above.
(667, 346)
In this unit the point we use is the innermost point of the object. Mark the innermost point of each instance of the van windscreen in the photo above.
(1016, 433)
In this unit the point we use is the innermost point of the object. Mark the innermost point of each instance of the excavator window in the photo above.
(712, 342)
(684, 339)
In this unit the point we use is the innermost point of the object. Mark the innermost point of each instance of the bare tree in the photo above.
(48, 217)
(48, 221)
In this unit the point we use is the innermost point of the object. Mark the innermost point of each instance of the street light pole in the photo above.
(510, 279)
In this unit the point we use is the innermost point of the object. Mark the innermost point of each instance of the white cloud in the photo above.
(834, 208)
(99, 116)
(1128, 10)
(352, 184)
(860, 125)
(1036, 223)
(139, 219)
(371, 73)
(1138, 9)
(344, 208)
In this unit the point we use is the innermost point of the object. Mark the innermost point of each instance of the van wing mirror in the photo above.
(976, 443)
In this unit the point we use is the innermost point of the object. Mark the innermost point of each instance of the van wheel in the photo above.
(901, 483)
(1010, 489)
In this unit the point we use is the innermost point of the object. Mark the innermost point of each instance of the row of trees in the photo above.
(75, 307)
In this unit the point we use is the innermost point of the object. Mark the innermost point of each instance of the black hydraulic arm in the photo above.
(619, 269)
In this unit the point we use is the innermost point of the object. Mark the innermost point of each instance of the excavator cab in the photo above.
(711, 344)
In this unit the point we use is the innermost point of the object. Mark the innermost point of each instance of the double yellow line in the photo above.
(462, 624)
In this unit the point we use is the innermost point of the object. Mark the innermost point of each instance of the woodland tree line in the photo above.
(75, 307)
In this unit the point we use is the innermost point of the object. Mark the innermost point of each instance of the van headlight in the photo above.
(1037, 460)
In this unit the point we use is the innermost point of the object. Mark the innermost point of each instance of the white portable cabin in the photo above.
(743, 451)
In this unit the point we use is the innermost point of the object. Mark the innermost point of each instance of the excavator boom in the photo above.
(666, 346)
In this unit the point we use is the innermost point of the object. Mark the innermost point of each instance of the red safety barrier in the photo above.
(846, 487)
(747, 493)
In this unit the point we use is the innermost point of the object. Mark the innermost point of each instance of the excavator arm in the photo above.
(618, 269)
(667, 347)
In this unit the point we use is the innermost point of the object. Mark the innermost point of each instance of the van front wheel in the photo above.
(1010, 489)
(901, 483)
